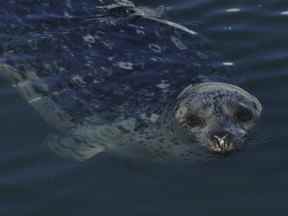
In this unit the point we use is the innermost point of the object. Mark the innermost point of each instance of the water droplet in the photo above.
(285, 13)
(67, 14)
(229, 28)
(156, 48)
(178, 43)
(140, 32)
(89, 38)
(228, 63)
(78, 80)
(233, 10)
(163, 85)
(125, 65)
(154, 117)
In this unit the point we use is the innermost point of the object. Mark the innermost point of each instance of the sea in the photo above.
(252, 37)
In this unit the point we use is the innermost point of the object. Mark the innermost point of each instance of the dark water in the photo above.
(253, 35)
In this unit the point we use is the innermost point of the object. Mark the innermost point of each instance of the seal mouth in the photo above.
(221, 145)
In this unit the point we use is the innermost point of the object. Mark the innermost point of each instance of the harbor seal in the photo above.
(110, 78)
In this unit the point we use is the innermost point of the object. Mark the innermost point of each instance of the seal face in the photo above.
(217, 115)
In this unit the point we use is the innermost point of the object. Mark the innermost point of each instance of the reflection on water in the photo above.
(250, 34)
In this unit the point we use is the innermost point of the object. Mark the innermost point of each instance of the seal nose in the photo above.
(220, 135)
(221, 142)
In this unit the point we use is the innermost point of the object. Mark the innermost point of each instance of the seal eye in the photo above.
(244, 115)
(195, 121)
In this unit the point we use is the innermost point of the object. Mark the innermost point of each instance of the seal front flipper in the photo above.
(35, 92)
(73, 146)
(86, 141)
(70, 140)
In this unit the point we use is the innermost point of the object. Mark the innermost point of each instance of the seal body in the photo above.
(101, 73)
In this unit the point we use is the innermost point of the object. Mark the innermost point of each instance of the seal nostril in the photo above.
(220, 135)
(221, 142)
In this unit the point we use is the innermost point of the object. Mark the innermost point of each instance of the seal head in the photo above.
(216, 115)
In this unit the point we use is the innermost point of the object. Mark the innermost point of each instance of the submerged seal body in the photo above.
(109, 77)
